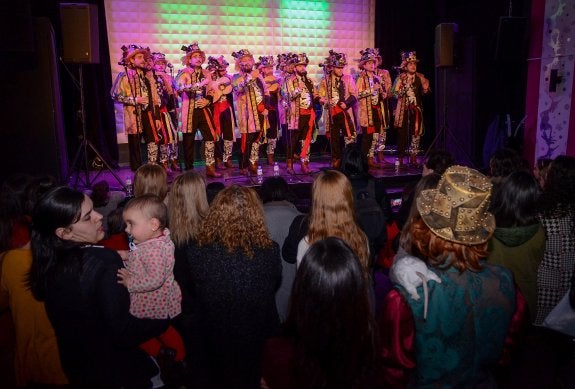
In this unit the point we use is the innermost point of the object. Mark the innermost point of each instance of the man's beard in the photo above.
(302, 72)
(246, 68)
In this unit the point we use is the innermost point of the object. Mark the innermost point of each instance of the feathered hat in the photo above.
(191, 49)
(337, 60)
(407, 57)
(369, 54)
(219, 63)
(241, 54)
(266, 61)
(130, 51)
(300, 59)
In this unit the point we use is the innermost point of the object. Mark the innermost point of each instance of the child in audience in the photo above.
(148, 272)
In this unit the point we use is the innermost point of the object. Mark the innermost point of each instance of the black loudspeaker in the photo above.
(512, 37)
(444, 37)
(33, 128)
(80, 33)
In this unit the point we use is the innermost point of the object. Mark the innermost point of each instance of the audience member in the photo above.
(557, 214)
(149, 274)
(437, 161)
(279, 214)
(540, 170)
(502, 163)
(372, 216)
(116, 237)
(153, 179)
(14, 223)
(36, 358)
(518, 242)
(89, 309)
(105, 201)
(235, 270)
(457, 331)
(213, 188)
(330, 338)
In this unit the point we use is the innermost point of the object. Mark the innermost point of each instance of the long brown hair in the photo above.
(188, 207)
(236, 221)
(332, 214)
(441, 253)
(151, 178)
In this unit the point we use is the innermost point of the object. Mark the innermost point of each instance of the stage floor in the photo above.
(300, 184)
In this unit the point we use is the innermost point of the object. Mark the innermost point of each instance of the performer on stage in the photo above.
(408, 88)
(192, 85)
(168, 115)
(373, 92)
(386, 78)
(299, 91)
(266, 68)
(136, 89)
(224, 119)
(338, 93)
(285, 68)
(252, 102)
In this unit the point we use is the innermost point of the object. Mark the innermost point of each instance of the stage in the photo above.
(299, 184)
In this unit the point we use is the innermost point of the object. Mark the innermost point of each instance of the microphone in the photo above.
(169, 65)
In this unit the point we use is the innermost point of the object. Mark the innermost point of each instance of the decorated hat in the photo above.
(337, 60)
(407, 57)
(191, 49)
(266, 61)
(159, 57)
(219, 63)
(326, 64)
(369, 54)
(241, 54)
(300, 59)
(457, 209)
(130, 51)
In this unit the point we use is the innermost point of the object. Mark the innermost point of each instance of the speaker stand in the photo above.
(80, 164)
(444, 130)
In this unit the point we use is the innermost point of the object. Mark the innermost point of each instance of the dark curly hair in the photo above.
(558, 197)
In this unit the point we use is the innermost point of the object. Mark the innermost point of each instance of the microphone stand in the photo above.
(80, 162)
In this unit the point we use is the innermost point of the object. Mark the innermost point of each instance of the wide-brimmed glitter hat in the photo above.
(266, 61)
(407, 57)
(301, 59)
(457, 209)
(337, 60)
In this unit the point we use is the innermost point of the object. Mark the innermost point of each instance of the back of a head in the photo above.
(12, 206)
(330, 301)
(274, 189)
(188, 206)
(151, 178)
(514, 203)
(353, 162)
(559, 191)
(100, 193)
(235, 220)
(439, 161)
(212, 190)
(504, 162)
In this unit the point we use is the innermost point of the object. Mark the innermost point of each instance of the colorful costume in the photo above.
(252, 101)
(338, 93)
(137, 83)
(265, 65)
(408, 88)
(298, 90)
(373, 93)
(193, 86)
(224, 118)
(168, 114)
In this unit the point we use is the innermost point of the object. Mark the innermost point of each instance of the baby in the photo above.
(148, 272)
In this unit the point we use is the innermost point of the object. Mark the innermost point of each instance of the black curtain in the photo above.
(98, 106)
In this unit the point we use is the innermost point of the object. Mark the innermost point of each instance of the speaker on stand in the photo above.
(81, 46)
(444, 60)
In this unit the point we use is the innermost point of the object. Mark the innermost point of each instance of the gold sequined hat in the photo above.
(266, 61)
(369, 54)
(219, 63)
(457, 209)
(337, 60)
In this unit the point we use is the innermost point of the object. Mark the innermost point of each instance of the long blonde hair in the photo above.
(236, 221)
(332, 214)
(151, 178)
(188, 207)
